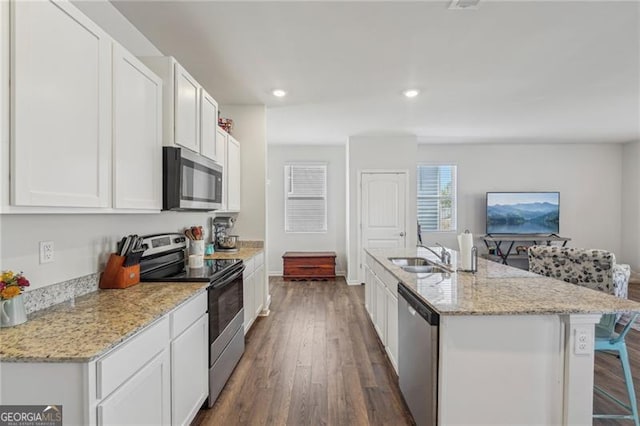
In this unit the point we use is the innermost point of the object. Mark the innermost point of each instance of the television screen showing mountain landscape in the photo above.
(523, 213)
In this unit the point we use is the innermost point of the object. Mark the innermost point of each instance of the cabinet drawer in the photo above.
(121, 364)
(258, 259)
(186, 315)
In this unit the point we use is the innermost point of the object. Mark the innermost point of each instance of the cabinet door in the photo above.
(208, 126)
(249, 300)
(381, 310)
(221, 151)
(137, 133)
(233, 175)
(258, 284)
(189, 372)
(367, 287)
(144, 399)
(187, 109)
(61, 133)
(392, 329)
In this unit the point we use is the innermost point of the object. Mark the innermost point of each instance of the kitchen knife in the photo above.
(125, 246)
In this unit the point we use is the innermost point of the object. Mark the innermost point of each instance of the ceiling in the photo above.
(517, 72)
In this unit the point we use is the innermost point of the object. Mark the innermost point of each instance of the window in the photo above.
(305, 197)
(437, 198)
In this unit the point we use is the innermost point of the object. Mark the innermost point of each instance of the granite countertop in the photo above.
(497, 289)
(86, 327)
(244, 253)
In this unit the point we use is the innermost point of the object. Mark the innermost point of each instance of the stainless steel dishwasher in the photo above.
(418, 356)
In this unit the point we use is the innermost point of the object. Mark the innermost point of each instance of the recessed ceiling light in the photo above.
(279, 93)
(411, 93)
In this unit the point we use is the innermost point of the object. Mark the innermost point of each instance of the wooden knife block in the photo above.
(116, 275)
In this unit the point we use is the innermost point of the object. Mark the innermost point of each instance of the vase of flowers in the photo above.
(12, 311)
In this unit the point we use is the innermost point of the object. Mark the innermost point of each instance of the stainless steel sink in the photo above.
(424, 269)
(419, 265)
(411, 261)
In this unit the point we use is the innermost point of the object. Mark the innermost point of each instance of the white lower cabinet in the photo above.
(248, 298)
(392, 328)
(254, 289)
(142, 399)
(381, 301)
(381, 310)
(157, 377)
(189, 358)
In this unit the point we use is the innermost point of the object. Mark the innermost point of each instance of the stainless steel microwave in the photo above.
(190, 181)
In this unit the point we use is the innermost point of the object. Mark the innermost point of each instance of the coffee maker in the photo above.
(224, 242)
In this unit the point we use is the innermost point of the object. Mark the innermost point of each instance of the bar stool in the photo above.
(610, 342)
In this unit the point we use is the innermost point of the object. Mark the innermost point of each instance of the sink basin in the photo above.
(411, 261)
(419, 265)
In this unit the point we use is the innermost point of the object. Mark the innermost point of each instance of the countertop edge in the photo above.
(108, 349)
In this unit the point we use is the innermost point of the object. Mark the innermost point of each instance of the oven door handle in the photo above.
(229, 279)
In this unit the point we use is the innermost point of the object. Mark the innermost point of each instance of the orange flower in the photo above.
(9, 292)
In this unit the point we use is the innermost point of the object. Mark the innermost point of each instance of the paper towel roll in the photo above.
(465, 243)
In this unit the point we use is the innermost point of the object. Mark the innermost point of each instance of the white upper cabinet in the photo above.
(61, 107)
(137, 137)
(233, 174)
(190, 113)
(187, 109)
(208, 126)
(221, 150)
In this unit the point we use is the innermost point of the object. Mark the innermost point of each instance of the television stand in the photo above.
(494, 241)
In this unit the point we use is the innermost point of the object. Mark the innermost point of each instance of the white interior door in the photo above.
(382, 212)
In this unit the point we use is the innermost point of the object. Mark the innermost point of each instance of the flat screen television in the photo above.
(523, 213)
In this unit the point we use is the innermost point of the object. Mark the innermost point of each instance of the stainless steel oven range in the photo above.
(164, 260)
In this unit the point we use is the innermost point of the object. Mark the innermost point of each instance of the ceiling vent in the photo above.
(464, 5)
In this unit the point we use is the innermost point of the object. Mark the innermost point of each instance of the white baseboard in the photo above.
(353, 282)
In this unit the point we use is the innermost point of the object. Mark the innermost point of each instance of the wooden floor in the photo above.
(608, 373)
(314, 360)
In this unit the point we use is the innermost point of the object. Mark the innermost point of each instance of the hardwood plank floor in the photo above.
(608, 374)
(315, 360)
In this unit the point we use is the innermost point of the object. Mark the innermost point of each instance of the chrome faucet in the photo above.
(444, 255)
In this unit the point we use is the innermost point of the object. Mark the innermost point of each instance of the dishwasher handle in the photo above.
(418, 306)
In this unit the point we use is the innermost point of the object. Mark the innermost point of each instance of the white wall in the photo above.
(335, 237)
(381, 152)
(588, 177)
(631, 205)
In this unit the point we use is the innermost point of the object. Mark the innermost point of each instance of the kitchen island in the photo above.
(507, 349)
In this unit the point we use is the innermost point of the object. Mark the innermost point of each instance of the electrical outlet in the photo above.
(46, 251)
(582, 342)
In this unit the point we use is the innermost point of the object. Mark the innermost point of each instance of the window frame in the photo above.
(454, 197)
(286, 197)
